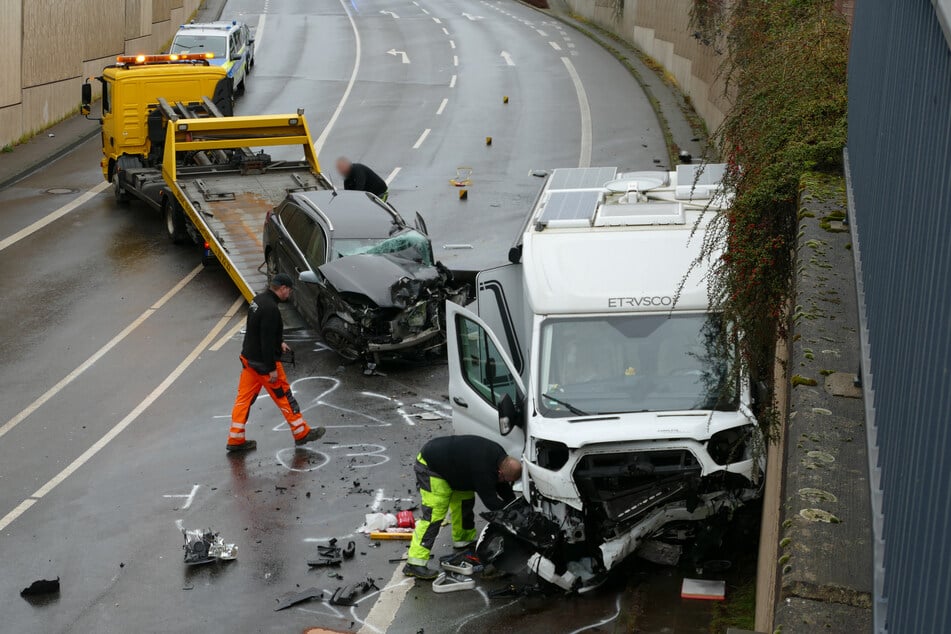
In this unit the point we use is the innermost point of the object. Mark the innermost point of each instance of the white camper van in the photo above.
(595, 356)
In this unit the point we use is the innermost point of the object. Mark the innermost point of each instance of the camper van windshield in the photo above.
(636, 363)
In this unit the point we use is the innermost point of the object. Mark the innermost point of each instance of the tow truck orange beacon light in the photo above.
(157, 59)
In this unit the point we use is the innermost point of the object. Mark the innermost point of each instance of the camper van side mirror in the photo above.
(509, 416)
(86, 98)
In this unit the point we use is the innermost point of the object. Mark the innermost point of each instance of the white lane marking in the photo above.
(585, 159)
(442, 106)
(54, 216)
(384, 610)
(437, 20)
(423, 10)
(555, 46)
(259, 32)
(445, 30)
(455, 60)
(476, 17)
(452, 44)
(452, 81)
(540, 32)
(391, 14)
(389, 179)
(319, 143)
(131, 417)
(98, 354)
(225, 338)
(422, 137)
(395, 52)
(507, 57)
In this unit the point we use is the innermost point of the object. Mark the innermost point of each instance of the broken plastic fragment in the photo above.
(41, 587)
(206, 546)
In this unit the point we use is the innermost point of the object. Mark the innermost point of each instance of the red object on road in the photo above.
(405, 519)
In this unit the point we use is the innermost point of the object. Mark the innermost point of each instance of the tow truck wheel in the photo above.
(121, 196)
(336, 335)
(174, 223)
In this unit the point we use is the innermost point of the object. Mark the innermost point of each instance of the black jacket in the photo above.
(470, 463)
(264, 333)
(363, 179)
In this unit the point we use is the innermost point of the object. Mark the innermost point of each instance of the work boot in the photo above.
(247, 445)
(463, 545)
(420, 572)
(312, 435)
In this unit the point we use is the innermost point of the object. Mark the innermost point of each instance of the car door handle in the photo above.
(458, 401)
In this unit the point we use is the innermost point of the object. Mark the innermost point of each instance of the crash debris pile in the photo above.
(206, 546)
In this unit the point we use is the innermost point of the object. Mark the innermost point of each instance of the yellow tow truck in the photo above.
(166, 142)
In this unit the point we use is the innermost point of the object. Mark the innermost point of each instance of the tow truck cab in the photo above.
(132, 124)
(596, 356)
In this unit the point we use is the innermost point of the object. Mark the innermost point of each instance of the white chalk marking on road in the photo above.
(439, 404)
(389, 179)
(319, 143)
(445, 30)
(188, 497)
(442, 106)
(391, 14)
(452, 44)
(54, 216)
(384, 610)
(585, 159)
(452, 81)
(617, 613)
(131, 417)
(437, 20)
(422, 137)
(311, 540)
(395, 52)
(555, 46)
(280, 457)
(180, 524)
(225, 338)
(540, 32)
(507, 57)
(259, 30)
(98, 354)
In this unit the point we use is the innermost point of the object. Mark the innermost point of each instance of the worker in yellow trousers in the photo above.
(450, 471)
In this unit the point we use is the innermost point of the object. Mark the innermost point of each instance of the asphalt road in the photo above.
(119, 371)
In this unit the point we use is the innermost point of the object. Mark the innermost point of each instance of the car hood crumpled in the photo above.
(376, 275)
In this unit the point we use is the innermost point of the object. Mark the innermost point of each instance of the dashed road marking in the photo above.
(389, 179)
(437, 20)
(452, 44)
(455, 60)
(555, 46)
(540, 32)
(445, 30)
(422, 137)
(452, 81)
(442, 106)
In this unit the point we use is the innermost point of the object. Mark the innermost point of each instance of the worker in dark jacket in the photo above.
(261, 367)
(450, 470)
(359, 177)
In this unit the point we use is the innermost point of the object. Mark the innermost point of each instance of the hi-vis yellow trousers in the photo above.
(438, 498)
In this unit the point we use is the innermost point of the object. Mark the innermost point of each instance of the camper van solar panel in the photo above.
(581, 177)
(571, 208)
(709, 174)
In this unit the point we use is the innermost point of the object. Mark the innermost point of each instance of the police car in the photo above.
(231, 43)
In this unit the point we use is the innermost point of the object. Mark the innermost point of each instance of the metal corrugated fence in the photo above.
(899, 168)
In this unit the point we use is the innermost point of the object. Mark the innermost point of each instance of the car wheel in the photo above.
(336, 335)
(174, 223)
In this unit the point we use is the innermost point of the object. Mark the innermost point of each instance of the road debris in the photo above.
(327, 555)
(464, 563)
(41, 587)
(294, 598)
(346, 595)
(708, 589)
(452, 582)
(202, 547)
(377, 522)
(393, 533)
(405, 519)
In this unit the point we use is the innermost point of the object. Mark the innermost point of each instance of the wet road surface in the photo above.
(120, 351)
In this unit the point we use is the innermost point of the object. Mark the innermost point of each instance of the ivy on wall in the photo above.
(785, 64)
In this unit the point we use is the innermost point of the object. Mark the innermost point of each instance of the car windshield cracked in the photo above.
(408, 245)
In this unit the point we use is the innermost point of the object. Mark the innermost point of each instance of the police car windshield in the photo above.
(191, 43)
(636, 363)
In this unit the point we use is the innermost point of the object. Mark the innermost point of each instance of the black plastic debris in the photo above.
(294, 598)
(206, 546)
(350, 550)
(327, 555)
(41, 587)
(346, 595)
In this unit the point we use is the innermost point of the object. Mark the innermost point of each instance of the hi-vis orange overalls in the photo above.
(262, 340)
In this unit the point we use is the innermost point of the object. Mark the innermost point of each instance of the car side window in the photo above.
(299, 227)
(482, 366)
(234, 46)
(316, 251)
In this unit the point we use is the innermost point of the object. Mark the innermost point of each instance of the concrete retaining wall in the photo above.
(49, 46)
(661, 28)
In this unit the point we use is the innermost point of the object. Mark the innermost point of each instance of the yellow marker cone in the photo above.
(488, 140)
(505, 99)
(463, 194)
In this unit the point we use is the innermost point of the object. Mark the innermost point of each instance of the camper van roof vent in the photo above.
(581, 178)
(640, 214)
(572, 208)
